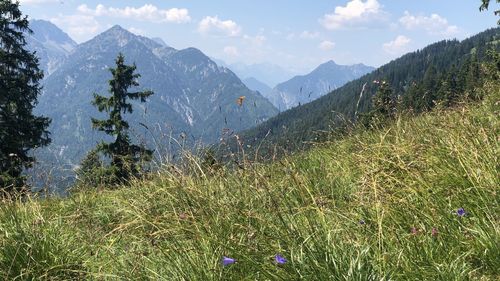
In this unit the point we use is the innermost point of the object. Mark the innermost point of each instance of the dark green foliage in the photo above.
(20, 130)
(126, 158)
(493, 65)
(384, 107)
(92, 171)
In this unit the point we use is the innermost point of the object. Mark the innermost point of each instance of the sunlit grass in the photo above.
(377, 205)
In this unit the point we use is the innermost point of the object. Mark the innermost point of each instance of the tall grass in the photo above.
(377, 205)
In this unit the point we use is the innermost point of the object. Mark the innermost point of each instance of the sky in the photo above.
(297, 35)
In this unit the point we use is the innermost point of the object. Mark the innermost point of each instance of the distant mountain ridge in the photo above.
(322, 80)
(256, 85)
(194, 97)
(268, 73)
(50, 43)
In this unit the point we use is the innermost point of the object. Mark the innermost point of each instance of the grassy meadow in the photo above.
(416, 200)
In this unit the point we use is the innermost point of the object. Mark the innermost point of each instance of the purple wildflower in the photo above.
(227, 261)
(414, 231)
(461, 212)
(279, 259)
(434, 232)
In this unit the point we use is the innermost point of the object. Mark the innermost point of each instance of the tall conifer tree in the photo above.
(20, 130)
(125, 156)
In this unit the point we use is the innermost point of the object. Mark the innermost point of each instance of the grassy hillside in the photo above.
(377, 205)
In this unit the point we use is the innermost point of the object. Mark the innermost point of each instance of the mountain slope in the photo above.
(51, 44)
(293, 128)
(422, 192)
(256, 85)
(322, 80)
(192, 96)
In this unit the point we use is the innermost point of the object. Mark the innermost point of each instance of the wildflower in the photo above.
(434, 232)
(461, 212)
(227, 261)
(279, 259)
(414, 231)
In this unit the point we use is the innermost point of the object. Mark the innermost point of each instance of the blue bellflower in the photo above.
(461, 212)
(227, 261)
(279, 259)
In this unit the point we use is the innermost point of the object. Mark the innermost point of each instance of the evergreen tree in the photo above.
(92, 171)
(448, 92)
(125, 157)
(384, 102)
(473, 78)
(430, 85)
(20, 130)
(384, 107)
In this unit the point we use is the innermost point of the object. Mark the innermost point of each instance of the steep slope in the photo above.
(256, 85)
(423, 192)
(193, 95)
(322, 80)
(213, 94)
(293, 128)
(51, 44)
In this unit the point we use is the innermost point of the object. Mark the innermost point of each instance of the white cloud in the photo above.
(309, 35)
(303, 35)
(257, 40)
(433, 24)
(356, 13)
(326, 45)
(397, 46)
(79, 27)
(147, 12)
(215, 26)
(231, 51)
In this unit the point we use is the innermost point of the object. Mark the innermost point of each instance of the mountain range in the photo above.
(268, 73)
(194, 98)
(322, 80)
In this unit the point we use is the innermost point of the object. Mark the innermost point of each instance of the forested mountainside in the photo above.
(416, 78)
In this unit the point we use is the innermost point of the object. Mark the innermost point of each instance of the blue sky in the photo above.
(297, 35)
